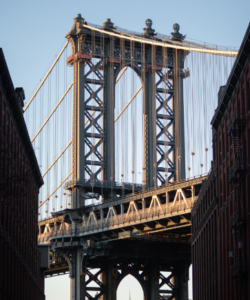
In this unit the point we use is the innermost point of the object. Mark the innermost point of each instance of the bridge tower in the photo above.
(112, 53)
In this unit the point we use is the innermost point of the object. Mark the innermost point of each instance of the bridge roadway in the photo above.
(143, 234)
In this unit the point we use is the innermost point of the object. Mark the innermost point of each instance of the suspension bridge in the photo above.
(113, 137)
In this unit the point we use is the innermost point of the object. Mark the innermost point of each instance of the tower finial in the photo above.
(108, 24)
(149, 30)
(176, 35)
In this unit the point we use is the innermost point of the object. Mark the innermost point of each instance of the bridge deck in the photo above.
(166, 213)
(126, 213)
(146, 224)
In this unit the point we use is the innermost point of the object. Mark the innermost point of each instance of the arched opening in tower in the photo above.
(129, 289)
(129, 127)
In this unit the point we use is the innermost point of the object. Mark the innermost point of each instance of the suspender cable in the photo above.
(126, 106)
(41, 84)
(55, 190)
(119, 77)
(52, 112)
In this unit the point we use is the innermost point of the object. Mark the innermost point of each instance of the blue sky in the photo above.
(33, 32)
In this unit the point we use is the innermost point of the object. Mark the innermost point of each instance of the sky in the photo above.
(32, 33)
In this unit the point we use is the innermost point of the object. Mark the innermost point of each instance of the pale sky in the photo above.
(33, 32)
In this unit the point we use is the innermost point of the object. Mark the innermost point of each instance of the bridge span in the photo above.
(143, 234)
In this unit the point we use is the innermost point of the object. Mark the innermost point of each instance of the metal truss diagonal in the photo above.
(101, 101)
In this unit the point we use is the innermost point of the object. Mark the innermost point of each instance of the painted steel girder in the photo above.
(95, 108)
(164, 117)
(164, 155)
(165, 143)
(165, 112)
(93, 130)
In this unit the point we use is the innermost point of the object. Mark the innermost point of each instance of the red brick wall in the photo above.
(204, 242)
(20, 275)
(212, 238)
(225, 158)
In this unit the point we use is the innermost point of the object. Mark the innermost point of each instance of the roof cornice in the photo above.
(7, 87)
(235, 76)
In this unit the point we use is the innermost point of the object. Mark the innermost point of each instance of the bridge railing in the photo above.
(146, 189)
(139, 216)
(102, 183)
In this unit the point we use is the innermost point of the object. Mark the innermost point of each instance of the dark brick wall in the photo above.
(230, 193)
(220, 239)
(20, 274)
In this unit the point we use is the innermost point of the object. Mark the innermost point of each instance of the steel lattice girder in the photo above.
(94, 114)
(167, 114)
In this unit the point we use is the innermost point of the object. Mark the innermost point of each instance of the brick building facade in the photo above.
(221, 217)
(20, 179)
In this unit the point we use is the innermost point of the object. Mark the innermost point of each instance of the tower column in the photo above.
(74, 258)
(109, 129)
(150, 122)
(109, 275)
(153, 280)
(76, 38)
(179, 132)
(181, 278)
(77, 277)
